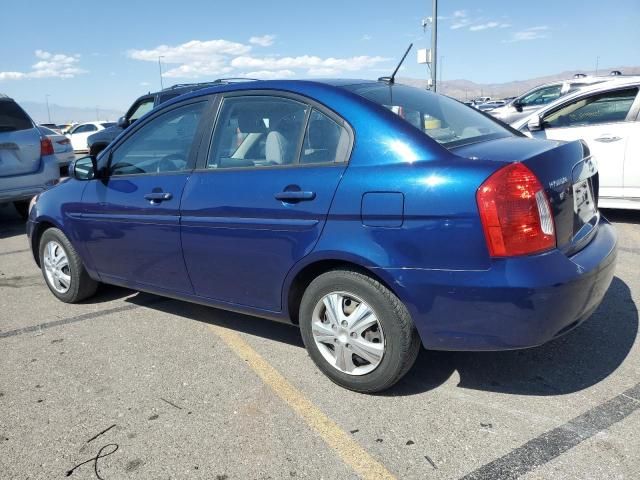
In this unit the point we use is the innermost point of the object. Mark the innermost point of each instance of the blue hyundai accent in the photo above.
(375, 216)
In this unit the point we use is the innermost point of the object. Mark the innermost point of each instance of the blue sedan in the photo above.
(376, 216)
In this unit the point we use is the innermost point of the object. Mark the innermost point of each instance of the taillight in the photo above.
(63, 142)
(46, 147)
(515, 213)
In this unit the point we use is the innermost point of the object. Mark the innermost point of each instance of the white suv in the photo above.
(28, 164)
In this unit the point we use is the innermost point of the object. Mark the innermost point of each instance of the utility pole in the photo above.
(97, 113)
(441, 67)
(160, 69)
(434, 44)
(46, 97)
(597, 62)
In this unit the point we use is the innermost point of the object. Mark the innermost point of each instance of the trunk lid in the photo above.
(19, 141)
(567, 173)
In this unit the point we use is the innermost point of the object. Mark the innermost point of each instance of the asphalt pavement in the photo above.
(131, 385)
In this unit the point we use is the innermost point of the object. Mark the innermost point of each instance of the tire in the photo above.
(22, 207)
(72, 274)
(394, 331)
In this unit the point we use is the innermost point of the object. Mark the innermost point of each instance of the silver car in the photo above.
(61, 146)
(538, 97)
(28, 164)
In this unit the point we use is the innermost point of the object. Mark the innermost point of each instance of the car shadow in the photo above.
(622, 216)
(11, 224)
(259, 327)
(576, 361)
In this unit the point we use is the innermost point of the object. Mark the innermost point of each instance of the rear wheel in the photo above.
(62, 268)
(357, 331)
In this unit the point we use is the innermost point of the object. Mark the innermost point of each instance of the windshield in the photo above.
(445, 120)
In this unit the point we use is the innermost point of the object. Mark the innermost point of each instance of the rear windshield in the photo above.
(445, 120)
(12, 117)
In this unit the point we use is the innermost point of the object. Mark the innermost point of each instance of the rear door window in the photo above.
(257, 131)
(12, 117)
(608, 107)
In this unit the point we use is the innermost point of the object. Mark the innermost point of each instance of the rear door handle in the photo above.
(608, 139)
(295, 196)
(157, 197)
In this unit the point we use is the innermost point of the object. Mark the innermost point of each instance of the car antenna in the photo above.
(391, 79)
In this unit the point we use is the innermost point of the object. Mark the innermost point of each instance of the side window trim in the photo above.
(105, 159)
(216, 109)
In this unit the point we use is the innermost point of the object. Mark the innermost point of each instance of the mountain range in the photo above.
(466, 89)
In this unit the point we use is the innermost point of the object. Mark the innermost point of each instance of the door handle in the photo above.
(607, 139)
(157, 197)
(293, 196)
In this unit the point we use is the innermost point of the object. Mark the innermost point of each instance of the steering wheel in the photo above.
(171, 163)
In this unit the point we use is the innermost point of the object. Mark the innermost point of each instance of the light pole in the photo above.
(597, 62)
(160, 69)
(46, 97)
(434, 44)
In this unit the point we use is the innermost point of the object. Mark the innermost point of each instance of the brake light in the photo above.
(63, 142)
(515, 213)
(46, 147)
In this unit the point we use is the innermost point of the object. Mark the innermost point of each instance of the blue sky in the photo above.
(85, 53)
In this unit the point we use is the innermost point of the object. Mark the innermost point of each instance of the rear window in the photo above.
(445, 120)
(12, 117)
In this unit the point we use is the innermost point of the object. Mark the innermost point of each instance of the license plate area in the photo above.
(584, 207)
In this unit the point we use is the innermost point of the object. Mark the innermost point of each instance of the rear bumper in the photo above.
(23, 187)
(517, 303)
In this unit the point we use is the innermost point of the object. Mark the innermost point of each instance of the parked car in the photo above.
(51, 126)
(61, 146)
(28, 164)
(606, 117)
(540, 96)
(98, 141)
(314, 203)
(80, 133)
(490, 105)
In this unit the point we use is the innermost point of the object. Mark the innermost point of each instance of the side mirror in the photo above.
(535, 124)
(517, 105)
(84, 168)
(123, 122)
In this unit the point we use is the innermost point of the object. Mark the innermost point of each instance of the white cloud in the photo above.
(268, 74)
(460, 13)
(533, 33)
(192, 51)
(49, 65)
(215, 58)
(313, 64)
(144, 84)
(485, 26)
(263, 41)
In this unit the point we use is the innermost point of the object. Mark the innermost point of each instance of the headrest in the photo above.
(249, 122)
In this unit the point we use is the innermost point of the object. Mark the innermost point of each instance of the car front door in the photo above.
(260, 198)
(130, 222)
(602, 121)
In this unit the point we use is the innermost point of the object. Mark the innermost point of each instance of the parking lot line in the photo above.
(337, 439)
(553, 443)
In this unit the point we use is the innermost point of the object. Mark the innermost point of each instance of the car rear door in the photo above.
(260, 198)
(19, 141)
(130, 220)
(602, 121)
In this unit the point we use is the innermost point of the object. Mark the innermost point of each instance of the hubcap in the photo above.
(56, 267)
(347, 333)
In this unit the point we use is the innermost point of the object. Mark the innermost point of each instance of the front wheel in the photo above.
(357, 331)
(62, 268)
